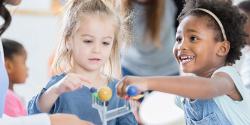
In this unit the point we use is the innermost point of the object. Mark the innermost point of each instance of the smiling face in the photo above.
(92, 43)
(196, 48)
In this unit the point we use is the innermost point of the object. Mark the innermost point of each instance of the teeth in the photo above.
(186, 59)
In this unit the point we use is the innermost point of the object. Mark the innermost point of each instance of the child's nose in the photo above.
(183, 45)
(97, 48)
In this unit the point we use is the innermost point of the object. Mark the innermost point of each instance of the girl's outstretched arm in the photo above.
(187, 86)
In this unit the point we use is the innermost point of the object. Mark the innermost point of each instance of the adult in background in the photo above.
(153, 31)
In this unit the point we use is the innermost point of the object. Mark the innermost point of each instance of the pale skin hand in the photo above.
(67, 119)
(186, 86)
(70, 82)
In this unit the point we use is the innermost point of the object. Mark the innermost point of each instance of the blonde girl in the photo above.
(88, 55)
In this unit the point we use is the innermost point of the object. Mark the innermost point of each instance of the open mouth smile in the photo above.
(184, 59)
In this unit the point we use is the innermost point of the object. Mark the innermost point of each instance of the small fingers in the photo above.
(119, 88)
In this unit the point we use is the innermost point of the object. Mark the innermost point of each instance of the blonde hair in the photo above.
(75, 9)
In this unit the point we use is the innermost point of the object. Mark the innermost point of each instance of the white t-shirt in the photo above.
(40, 119)
(237, 112)
(245, 68)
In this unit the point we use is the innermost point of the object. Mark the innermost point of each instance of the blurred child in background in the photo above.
(41, 119)
(15, 62)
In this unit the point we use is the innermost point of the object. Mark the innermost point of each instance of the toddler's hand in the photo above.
(139, 82)
(70, 82)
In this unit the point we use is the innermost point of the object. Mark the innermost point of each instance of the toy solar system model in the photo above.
(100, 100)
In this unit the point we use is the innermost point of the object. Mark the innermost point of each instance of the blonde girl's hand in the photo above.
(139, 82)
(70, 82)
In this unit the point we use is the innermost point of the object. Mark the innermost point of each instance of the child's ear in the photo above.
(9, 66)
(223, 48)
(68, 43)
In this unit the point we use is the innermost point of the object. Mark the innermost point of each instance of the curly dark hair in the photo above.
(231, 18)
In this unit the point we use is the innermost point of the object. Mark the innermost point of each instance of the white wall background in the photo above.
(38, 33)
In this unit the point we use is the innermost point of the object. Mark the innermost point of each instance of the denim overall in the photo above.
(203, 112)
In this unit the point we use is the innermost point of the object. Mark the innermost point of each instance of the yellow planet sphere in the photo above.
(105, 94)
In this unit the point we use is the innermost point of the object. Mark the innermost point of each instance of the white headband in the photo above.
(216, 19)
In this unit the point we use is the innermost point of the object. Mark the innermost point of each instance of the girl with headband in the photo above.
(208, 41)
